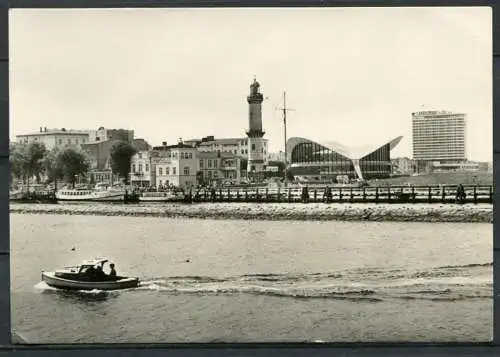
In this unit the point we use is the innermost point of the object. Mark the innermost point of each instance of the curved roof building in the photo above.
(330, 158)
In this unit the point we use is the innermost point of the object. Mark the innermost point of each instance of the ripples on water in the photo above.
(447, 283)
(234, 281)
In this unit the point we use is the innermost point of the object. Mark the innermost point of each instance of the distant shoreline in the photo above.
(469, 213)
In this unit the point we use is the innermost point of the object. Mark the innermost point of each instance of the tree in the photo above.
(121, 158)
(52, 166)
(17, 159)
(36, 152)
(71, 163)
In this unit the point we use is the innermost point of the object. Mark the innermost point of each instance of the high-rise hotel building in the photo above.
(439, 138)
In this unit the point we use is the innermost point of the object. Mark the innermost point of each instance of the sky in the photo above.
(352, 75)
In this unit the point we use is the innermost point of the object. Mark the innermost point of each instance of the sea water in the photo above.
(255, 281)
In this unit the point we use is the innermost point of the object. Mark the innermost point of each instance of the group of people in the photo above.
(96, 273)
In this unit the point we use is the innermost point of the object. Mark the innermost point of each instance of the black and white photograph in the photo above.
(245, 175)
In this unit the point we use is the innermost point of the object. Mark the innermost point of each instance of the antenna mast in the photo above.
(284, 111)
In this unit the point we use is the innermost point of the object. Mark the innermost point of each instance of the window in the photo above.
(174, 171)
(253, 147)
(167, 170)
(186, 171)
(140, 167)
(201, 163)
(139, 155)
(133, 168)
(209, 163)
(147, 167)
(60, 141)
(215, 164)
(69, 141)
(160, 172)
(190, 155)
(215, 174)
(76, 141)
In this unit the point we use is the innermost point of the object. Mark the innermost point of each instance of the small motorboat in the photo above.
(80, 278)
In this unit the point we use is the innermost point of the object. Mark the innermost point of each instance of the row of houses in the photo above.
(203, 161)
(183, 165)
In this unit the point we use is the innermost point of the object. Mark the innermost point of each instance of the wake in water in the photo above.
(446, 283)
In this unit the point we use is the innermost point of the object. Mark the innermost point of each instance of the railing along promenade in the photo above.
(381, 194)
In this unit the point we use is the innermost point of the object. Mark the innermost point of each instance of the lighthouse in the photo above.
(257, 145)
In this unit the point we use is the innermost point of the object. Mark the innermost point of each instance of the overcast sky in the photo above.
(353, 75)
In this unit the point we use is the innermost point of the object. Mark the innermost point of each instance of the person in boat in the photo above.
(100, 275)
(90, 273)
(112, 272)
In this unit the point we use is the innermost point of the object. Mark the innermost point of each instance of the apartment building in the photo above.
(439, 139)
(142, 172)
(175, 165)
(52, 138)
(218, 168)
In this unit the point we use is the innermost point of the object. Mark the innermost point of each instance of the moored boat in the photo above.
(160, 196)
(101, 192)
(78, 278)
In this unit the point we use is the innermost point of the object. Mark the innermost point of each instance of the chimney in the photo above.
(45, 129)
(40, 129)
(164, 143)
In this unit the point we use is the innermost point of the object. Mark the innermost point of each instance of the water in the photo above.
(247, 281)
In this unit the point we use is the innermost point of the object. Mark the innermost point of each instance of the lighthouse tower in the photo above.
(257, 145)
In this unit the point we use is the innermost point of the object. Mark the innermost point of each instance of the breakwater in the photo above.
(473, 213)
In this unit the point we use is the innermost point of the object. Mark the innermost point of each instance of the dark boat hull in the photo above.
(56, 282)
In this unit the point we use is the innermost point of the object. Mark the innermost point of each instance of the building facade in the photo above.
(236, 146)
(142, 171)
(215, 168)
(55, 138)
(327, 161)
(103, 134)
(175, 165)
(403, 166)
(439, 140)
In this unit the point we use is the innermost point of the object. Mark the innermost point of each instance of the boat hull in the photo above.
(91, 198)
(51, 280)
(160, 199)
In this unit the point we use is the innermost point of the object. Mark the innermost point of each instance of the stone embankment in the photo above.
(480, 213)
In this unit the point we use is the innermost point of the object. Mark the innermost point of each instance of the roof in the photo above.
(56, 132)
(176, 146)
(353, 153)
(94, 261)
(222, 141)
